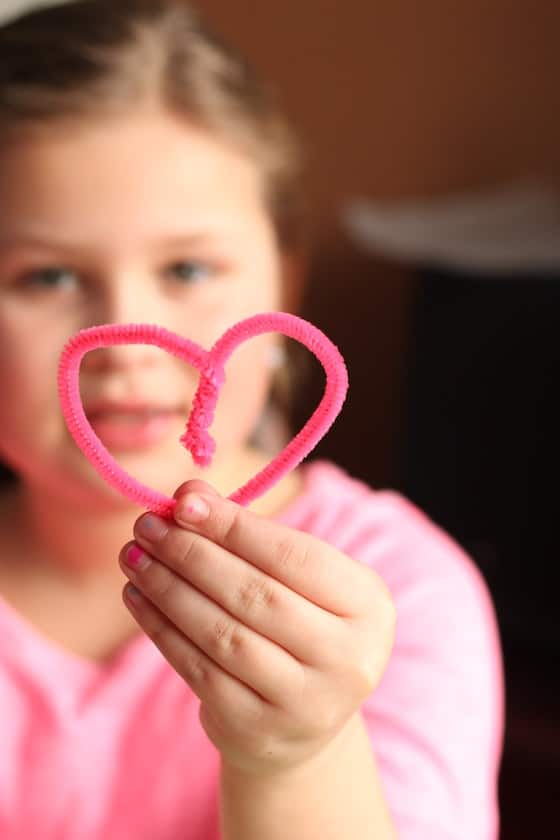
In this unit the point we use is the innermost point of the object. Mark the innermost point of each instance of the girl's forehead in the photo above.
(147, 137)
(146, 169)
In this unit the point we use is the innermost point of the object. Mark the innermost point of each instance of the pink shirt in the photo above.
(114, 751)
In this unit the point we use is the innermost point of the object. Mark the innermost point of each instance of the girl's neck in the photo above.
(60, 572)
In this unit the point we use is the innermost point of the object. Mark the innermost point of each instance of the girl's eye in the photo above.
(191, 271)
(52, 277)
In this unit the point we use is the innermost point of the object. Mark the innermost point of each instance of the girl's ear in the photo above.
(294, 267)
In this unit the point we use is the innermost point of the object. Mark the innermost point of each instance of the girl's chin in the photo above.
(163, 474)
(77, 484)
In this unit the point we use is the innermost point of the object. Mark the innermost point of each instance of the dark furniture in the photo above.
(478, 450)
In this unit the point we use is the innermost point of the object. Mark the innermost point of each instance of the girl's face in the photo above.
(141, 219)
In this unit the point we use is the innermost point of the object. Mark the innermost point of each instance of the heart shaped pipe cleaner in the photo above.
(210, 365)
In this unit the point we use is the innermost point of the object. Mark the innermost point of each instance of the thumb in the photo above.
(195, 485)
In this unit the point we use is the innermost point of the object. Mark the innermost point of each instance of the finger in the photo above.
(256, 661)
(194, 485)
(300, 561)
(215, 687)
(248, 594)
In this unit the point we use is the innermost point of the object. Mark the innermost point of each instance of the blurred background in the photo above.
(435, 137)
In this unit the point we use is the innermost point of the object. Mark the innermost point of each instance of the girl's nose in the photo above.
(127, 299)
(124, 358)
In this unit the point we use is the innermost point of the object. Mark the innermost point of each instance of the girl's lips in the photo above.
(125, 406)
(132, 430)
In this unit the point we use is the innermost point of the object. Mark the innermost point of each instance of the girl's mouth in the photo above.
(133, 429)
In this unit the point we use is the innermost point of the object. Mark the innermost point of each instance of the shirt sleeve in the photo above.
(435, 721)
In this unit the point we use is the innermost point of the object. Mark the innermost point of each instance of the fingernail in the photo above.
(133, 594)
(192, 509)
(136, 558)
(152, 527)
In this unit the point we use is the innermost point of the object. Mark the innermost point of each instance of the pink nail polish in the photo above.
(136, 558)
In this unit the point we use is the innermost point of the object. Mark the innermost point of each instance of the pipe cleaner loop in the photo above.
(211, 367)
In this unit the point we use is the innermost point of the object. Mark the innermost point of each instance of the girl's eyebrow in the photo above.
(29, 240)
(50, 243)
(192, 237)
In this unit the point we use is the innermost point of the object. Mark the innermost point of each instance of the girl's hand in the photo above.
(280, 635)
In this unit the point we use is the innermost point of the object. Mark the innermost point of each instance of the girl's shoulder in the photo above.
(346, 509)
(436, 719)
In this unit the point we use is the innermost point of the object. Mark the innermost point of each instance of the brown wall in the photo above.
(396, 99)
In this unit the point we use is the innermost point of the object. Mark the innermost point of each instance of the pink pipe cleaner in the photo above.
(210, 365)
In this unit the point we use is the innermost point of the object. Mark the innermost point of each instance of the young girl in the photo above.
(322, 665)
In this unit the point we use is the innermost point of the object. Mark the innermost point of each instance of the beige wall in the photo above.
(400, 98)
(395, 99)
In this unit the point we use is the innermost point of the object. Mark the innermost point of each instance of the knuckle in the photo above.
(367, 665)
(386, 609)
(189, 552)
(230, 526)
(289, 555)
(256, 593)
(225, 638)
(378, 593)
(161, 587)
(195, 669)
(371, 580)
(365, 675)
(355, 660)
(157, 633)
(325, 717)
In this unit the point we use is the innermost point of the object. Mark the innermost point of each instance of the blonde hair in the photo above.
(94, 57)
